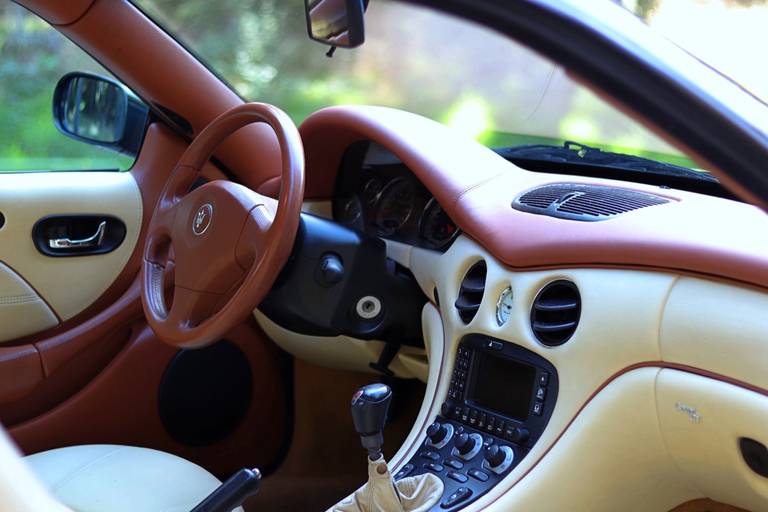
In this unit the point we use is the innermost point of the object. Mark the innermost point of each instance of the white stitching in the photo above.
(18, 299)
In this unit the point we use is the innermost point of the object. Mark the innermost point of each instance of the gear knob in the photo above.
(369, 413)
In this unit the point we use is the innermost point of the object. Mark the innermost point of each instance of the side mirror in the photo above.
(99, 111)
(337, 23)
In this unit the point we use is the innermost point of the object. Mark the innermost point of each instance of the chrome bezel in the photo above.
(380, 199)
(430, 204)
(499, 302)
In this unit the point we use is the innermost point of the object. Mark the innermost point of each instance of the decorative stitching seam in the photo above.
(85, 466)
(19, 299)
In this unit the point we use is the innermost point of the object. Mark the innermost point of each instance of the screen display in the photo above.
(503, 385)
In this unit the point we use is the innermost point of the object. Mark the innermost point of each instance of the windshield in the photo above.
(415, 59)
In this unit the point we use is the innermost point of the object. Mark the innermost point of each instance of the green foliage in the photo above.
(413, 59)
(33, 56)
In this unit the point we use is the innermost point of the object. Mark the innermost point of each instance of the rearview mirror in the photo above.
(336, 22)
(97, 110)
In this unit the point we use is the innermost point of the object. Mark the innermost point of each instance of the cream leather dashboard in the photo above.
(43, 290)
(633, 425)
(666, 370)
(618, 411)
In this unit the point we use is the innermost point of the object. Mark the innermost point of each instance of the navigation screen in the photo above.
(503, 385)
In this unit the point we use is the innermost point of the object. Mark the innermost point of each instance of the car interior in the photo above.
(366, 309)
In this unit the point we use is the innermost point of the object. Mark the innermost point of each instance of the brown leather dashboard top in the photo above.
(693, 233)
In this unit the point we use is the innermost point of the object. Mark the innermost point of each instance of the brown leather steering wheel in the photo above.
(221, 245)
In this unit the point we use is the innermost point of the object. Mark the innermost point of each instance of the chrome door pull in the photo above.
(90, 242)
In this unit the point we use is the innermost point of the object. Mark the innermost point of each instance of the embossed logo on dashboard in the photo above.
(202, 219)
(691, 411)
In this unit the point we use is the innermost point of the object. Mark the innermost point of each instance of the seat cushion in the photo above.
(113, 478)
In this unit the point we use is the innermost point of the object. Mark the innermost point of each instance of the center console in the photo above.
(499, 402)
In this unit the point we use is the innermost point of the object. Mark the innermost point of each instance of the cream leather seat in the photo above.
(104, 478)
(112, 478)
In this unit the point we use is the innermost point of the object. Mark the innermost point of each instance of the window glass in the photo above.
(415, 59)
(729, 35)
(33, 56)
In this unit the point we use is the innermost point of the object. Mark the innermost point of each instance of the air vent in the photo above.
(576, 201)
(555, 313)
(471, 292)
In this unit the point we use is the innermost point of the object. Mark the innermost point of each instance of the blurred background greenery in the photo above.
(415, 59)
(33, 56)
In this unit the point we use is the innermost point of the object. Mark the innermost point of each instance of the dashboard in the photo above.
(642, 303)
(378, 195)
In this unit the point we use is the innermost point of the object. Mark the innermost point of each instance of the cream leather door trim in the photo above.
(621, 312)
(612, 457)
(342, 352)
(318, 208)
(717, 327)
(22, 311)
(70, 284)
(702, 420)
(434, 337)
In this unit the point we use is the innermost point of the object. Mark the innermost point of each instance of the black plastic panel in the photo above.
(461, 395)
(205, 393)
(530, 386)
(378, 195)
(302, 301)
(421, 464)
(755, 455)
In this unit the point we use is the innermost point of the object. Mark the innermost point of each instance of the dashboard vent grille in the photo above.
(555, 313)
(576, 201)
(471, 292)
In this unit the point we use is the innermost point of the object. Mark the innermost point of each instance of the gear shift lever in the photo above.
(381, 493)
(369, 413)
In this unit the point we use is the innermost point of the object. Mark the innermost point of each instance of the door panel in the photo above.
(68, 285)
(22, 311)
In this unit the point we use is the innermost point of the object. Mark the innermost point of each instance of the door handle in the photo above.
(91, 242)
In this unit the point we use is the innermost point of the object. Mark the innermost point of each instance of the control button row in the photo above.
(487, 422)
(459, 495)
(430, 455)
(454, 463)
(478, 474)
(541, 392)
(434, 466)
(405, 471)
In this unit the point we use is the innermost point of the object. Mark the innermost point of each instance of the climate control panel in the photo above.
(499, 401)
(467, 460)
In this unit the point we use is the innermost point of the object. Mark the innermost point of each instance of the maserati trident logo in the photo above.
(202, 219)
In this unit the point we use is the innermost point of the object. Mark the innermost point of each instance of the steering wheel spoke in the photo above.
(190, 307)
(222, 245)
(258, 233)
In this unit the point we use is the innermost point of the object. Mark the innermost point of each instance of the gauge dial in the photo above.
(504, 306)
(351, 210)
(371, 190)
(436, 227)
(396, 203)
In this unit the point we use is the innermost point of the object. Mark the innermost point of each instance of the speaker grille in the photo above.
(205, 393)
(576, 201)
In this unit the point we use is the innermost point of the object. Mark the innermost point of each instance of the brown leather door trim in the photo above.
(21, 369)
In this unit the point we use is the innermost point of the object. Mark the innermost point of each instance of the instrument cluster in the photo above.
(378, 195)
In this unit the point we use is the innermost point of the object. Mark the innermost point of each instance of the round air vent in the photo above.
(471, 292)
(555, 313)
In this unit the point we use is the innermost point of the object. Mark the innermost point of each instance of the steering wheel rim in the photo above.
(222, 245)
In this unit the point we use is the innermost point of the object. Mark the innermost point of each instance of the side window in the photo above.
(33, 57)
